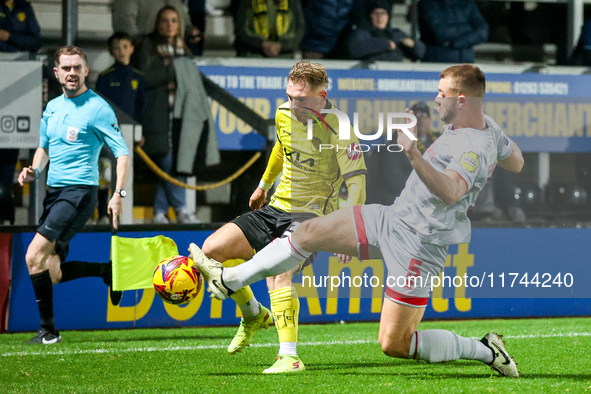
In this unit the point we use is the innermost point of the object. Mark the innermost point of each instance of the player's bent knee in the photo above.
(33, 258)
(394, 348)
(214, 249)
(307, 233)
(209, 246)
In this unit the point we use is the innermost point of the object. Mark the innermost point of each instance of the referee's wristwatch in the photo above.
(121, 192)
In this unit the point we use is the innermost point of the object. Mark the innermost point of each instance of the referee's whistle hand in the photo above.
(26, 175)
(115, 209)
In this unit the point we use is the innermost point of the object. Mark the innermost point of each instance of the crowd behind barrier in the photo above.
(293, 25)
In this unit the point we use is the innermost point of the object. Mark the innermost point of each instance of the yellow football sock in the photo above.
(285, 307)
(244, 297)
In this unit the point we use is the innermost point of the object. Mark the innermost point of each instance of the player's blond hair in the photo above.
(313, 74)
(467, 79)
(69, 50)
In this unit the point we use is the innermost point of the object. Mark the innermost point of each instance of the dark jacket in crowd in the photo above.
(250, 35)
(125, 87)
(156, 124)
(329, 22)
(581, 55)
(25, 34)
(372, 44)
(450, 29)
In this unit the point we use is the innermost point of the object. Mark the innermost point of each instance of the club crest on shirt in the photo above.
(354, 151)
(72, 133)
(134, 84)
(116, 127)
(21, 16)
(470, 161)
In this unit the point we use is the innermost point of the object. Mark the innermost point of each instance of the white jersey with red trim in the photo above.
(473, 154)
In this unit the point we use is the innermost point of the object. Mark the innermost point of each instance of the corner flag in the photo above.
(135, 259)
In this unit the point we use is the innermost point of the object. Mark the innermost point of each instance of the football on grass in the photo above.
(177, 280)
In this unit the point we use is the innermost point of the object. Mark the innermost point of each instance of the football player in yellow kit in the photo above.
(309, 186)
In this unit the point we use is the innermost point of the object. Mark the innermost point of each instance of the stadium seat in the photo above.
(566, 196)
(568, 201)
(528, 196)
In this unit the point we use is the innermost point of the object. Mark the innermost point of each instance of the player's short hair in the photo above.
(70, 50)
(314, 74)
(118, 36)
(467, 79)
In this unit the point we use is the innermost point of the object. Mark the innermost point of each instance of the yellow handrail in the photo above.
(176, 182)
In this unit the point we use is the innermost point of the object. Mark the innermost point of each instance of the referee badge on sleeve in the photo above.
(72, 134)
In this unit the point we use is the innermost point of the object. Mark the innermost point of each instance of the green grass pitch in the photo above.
(554, 355)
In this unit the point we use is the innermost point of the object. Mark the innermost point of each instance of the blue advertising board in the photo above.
(542, 113)
(502, 273)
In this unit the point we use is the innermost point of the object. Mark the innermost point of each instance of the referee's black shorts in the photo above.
(65, 211)
(262, 226)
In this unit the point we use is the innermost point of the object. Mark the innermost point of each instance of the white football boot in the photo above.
(501, 363)
(212, 271)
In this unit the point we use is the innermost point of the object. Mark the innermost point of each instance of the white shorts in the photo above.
(411, 264)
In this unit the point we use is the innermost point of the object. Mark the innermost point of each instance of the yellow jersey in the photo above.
(312, 171)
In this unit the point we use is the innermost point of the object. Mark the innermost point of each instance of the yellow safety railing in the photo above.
(176, 182)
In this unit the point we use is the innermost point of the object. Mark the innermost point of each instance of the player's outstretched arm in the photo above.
(515, 162)
(31, 172)
(448, 186)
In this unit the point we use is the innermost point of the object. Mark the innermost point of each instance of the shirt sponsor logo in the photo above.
(316, 143)
(72, 134)
(470, 161)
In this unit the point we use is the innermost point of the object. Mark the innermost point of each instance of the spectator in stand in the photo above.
(268, 28)
(155, 58)
(136, 18)
(123, 85)
(426, 136)
(581, 55)
(450, 29)
(197, 15)
(376, 40)
(328, 24)
(19, 30)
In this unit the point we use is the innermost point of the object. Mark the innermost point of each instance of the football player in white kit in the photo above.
(413, 234)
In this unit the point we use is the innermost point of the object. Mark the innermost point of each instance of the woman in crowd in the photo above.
(155, 59)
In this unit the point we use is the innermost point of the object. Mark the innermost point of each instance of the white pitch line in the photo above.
(261, 345)
(168, 348)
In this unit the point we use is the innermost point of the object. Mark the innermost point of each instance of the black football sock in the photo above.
(81, 269)
(44, 295)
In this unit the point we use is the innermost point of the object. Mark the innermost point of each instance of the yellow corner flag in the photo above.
(135, 259)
